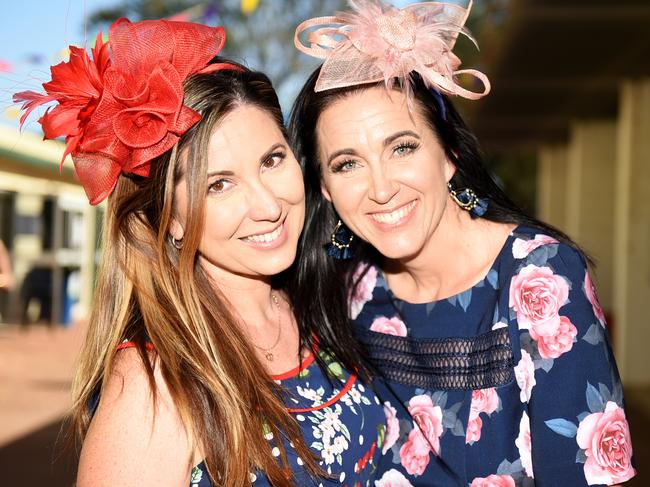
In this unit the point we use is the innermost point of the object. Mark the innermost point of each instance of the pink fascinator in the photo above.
(376, 42)
(124, 107)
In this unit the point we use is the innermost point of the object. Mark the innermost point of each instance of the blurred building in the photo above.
(571, 82)
(49, 230)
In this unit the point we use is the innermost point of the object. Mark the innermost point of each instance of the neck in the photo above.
(249, 296)
(457, 255)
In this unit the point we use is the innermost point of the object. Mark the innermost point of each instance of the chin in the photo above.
(399, 252)
(273, 265)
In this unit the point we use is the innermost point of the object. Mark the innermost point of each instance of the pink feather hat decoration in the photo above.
(376, 41)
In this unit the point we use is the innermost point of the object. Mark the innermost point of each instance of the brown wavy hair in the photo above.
(150, 292)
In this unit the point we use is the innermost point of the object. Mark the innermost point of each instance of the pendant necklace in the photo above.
(268, 354)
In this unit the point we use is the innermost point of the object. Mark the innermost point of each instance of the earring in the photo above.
(468, 201)
(339, 245)
(178, 244)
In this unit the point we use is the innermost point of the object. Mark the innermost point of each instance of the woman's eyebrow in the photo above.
(269, 152)
(389, 140)
(220, 173)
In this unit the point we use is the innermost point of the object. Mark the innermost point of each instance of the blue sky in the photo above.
(41, 28)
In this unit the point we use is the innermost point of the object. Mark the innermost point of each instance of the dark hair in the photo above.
(329, 278)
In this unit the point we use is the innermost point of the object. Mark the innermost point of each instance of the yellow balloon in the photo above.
(249, 6)
(12, 112)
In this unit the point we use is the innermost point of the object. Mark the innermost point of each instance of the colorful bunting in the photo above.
(249, 6)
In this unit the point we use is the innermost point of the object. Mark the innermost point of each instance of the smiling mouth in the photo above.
(395, 216)
(266, 238)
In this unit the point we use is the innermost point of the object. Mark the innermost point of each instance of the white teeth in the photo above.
(266, 237)
(394, 216)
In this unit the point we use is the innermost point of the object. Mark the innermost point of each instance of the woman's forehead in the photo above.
(374, 111)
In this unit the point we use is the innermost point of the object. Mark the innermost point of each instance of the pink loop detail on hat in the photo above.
(376, 42)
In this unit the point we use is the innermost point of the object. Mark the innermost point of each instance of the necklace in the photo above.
(268, 354)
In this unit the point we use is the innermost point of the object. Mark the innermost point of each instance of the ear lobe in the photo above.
(176, 230)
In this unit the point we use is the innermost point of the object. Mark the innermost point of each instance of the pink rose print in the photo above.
(525, 375)
(392, 427)
(393, 478)
(428, 418)
(493, 481)
(363, 291)
(605, 437)
(485, 400)
(474, 425)
(521, 248)
(390, 326)
(524, 445)
(536, 295)
(590, 291)
(552, 346)
(414, 454)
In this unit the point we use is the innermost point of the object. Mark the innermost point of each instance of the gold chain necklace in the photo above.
(268, 354)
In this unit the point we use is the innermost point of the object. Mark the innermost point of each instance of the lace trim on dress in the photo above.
(444, 363)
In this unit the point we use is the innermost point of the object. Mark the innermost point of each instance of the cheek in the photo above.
(345, 193)
(290, 187)
(222, 219)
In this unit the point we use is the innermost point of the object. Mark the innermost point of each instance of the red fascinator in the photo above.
(119, 110)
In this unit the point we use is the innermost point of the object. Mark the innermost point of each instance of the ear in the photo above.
(176, 230)
(449, 169)
(325, 192)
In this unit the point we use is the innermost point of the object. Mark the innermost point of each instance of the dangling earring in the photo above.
(178, 244)
(468, 201)
(339, 245)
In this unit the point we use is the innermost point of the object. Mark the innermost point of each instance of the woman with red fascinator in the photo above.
(199, 367)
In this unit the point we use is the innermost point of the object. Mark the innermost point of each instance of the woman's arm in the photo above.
(130, 444)
(577, 423)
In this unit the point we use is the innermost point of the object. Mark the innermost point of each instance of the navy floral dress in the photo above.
(343, 422)
(509, 383)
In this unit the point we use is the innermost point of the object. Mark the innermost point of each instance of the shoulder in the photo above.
(532, 246)
(132, 437)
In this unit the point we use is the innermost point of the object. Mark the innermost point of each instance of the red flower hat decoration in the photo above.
(118, 113)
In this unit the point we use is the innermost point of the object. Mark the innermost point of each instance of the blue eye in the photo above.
(344, 166)
(405, 148)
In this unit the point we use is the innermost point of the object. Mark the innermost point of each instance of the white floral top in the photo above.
(343, 422)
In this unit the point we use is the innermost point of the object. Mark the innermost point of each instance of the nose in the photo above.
(382, 186)
(264, 203)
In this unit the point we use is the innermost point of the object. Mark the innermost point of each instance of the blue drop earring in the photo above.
(339, 244)
(468, 201)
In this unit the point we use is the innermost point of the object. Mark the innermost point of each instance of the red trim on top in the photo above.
(300, 367)
(123, 345)
(346, 388)
(297, 369)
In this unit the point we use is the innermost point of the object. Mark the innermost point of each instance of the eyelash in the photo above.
(338, 166)
(280, 155)
(410, 145)
(212, 186)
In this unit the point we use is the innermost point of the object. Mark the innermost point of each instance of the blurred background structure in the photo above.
(566, 130)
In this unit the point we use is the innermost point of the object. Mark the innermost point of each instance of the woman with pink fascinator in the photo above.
(199, 368)
(482, 322)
